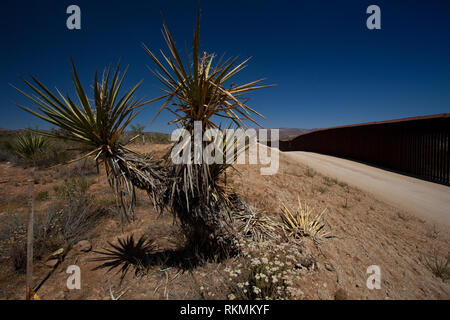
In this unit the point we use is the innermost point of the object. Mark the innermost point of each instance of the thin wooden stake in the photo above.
(30, 234)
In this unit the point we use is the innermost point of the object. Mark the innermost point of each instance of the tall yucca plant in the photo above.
(196, 90)
(98, 124)
(200, 90)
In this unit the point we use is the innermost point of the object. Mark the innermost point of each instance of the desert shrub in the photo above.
(42, 195)
(440, 266)
(320, 189)
(310, 172)
(6, 147)
(11, 226)
(267, 270)
(329, 181)
(6, 155)
(13, 230)
(332, 181)
(18, 256)
(157, 137)
(57, 153)
(72, 188)
(433, 233)
(342, 184)
(69, 219)
(82, 168)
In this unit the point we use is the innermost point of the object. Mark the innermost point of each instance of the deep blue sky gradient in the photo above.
(329, 68)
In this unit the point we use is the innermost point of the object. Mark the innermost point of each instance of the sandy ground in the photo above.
(365, 230)
(422, 198)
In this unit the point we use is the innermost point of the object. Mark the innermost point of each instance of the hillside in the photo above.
(365, 232)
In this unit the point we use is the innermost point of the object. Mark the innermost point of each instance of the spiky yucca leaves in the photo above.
(98, 124)
(29, 145)
(196, 90)
(126, 254)
(200, 89)
(226, 144)
(304, 222)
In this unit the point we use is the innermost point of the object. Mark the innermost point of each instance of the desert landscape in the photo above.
(365, 231)
(318, 170)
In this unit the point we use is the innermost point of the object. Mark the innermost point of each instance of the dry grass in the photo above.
(18, 256)
(310, 172)
(440, 266)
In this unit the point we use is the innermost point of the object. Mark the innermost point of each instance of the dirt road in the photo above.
(424, 199)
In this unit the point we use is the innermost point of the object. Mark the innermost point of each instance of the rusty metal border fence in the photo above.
(418, 146)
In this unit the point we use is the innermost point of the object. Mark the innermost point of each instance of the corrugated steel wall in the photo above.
(419, 146)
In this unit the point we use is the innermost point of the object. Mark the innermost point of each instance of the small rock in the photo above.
(51, 263)
(306, 262)
(340, 294)
(328, 266)
(83, 246)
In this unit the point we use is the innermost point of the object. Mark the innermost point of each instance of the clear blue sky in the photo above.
(329, 68)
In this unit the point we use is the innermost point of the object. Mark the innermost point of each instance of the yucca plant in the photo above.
(97, 123)
(30, 145)
(304, 222)
(200, 89)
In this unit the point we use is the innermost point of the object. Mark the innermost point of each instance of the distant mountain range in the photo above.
(291, 133)
(285, 133)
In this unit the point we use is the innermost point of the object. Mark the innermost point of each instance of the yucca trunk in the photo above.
(126, 170)
(206, 223)
(208, 229)
(203, 209)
